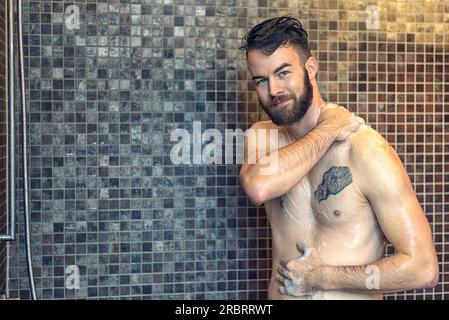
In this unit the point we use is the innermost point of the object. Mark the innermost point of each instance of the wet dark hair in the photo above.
(273, 33)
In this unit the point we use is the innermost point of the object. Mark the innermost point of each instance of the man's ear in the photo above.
(311, 66)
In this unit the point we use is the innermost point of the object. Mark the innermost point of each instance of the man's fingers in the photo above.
(279, 278)
(282, 290)
(327, 106)
(359, 122)
(283, 262)
(354, 126)
(285, 272)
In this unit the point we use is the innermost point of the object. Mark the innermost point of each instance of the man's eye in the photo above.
(283, 74)
(261, 82)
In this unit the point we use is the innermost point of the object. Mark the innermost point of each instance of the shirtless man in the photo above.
(339, 193)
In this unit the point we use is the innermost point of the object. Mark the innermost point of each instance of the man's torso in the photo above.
(325, 210)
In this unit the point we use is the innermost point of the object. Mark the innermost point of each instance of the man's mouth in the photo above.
(282, 103)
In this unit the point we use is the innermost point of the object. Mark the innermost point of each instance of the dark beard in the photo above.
(283, 116)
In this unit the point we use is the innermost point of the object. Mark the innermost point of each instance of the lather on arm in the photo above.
(295, 160)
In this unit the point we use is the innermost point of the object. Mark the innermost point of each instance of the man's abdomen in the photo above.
(338, 246)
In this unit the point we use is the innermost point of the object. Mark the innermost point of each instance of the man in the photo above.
(339, 192)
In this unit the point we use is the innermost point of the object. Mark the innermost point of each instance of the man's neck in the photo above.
(308, 122)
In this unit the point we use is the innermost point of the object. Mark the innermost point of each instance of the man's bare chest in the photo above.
(327, 197)
(335, 196)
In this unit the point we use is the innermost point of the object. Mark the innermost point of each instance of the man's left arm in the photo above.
(383, 180)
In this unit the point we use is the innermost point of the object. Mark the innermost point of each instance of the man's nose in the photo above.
(276, 88)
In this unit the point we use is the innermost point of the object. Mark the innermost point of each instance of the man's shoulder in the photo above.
(367, 143)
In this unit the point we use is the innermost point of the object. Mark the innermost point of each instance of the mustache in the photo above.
(282, 98)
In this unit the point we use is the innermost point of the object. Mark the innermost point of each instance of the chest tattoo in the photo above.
(334, 180)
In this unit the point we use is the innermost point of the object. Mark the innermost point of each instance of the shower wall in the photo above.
(107, 202)
(3, 144)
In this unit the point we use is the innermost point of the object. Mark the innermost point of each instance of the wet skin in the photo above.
(326, 211)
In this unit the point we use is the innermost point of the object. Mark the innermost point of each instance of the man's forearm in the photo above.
(293, 161)
(391, 274)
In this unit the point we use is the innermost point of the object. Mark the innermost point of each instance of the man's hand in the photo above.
(342, 120)
(301, 276)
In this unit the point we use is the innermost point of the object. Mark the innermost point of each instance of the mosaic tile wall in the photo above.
(104, 98)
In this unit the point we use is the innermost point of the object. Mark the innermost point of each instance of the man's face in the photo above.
(282, 83)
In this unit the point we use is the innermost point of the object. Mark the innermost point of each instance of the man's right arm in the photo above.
(295, 160)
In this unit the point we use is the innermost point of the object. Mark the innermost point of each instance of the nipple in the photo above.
(337, 213)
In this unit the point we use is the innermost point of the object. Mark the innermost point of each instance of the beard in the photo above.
(284, 116)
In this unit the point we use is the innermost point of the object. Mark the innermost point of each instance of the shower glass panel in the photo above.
(3, 140)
